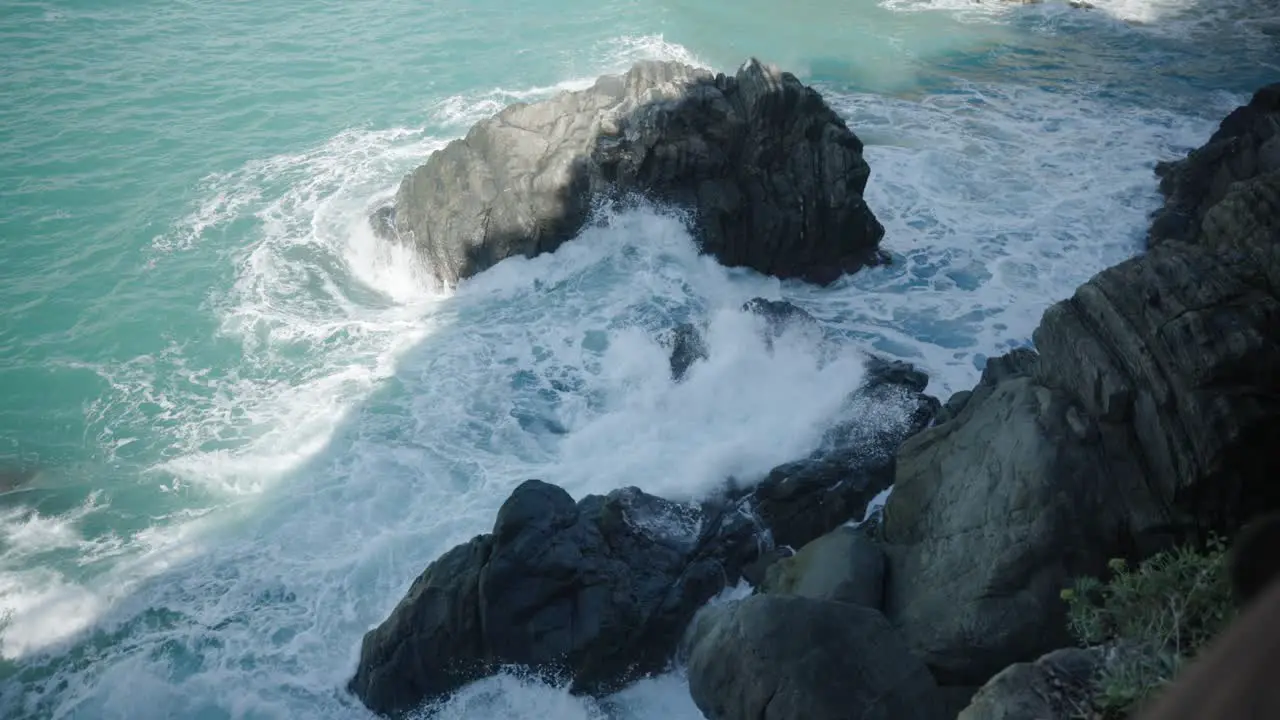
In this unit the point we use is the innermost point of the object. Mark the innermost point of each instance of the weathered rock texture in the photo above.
(844, 565)
(1246, 146)
(773, 177)
(1151, 414)
(600, 591)
(771, 657)
(1058, 686)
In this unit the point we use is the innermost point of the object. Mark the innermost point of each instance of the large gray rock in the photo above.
(1058, 686)
(1149, 416)
(844, 565)
(771, 657)
(992, 514)
(598, 591)
(773, 177)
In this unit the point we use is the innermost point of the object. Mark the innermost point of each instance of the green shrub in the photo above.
(1154, 617)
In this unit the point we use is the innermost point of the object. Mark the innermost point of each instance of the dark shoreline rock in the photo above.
(772, 176)
(1148, 417)
(1245, 146)
(688, 346)
(598, 592)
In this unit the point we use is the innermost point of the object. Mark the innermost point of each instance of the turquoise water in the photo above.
(233, 426)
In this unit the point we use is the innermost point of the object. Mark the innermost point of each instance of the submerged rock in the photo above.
(688, 344)
(1149, 416)
(687, 347)
(780, 316)
(802, 500)
(772, 176)
(771, 657)
(597, 591)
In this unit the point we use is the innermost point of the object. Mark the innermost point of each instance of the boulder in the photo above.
(771, 657)
(1058, 686)
(597, 592)
(991, 515)
(844, 565)
(771, 176)
(1148, 417)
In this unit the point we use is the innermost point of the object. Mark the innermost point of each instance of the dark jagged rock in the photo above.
(598, 591)
(779, 315)
(1150, 416)
(953, 406)
(802, 500)
(1246, 145)
(773, 177)
(771, 657)
(883, 371)
(687, 347)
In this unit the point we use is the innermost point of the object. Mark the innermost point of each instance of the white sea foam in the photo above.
(997, 200)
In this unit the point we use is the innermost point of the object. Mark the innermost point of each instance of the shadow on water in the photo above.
(202, 608)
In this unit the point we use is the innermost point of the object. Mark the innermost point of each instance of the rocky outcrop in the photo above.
(1246, 146)
(772, 176)
(771, 657)
(1058, 686)
(991, 515)
(598, 591)
(801, 500)
(1149, 415)
(844, 565)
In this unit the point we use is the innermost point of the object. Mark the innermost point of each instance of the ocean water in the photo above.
(234, 426)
